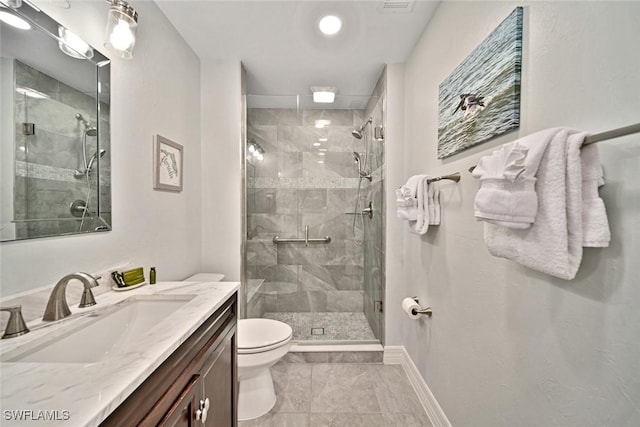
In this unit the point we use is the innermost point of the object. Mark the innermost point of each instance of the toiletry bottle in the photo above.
(152, 276)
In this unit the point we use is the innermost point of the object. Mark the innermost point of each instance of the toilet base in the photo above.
(256, 397)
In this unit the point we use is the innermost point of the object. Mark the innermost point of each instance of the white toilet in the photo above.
(261, 343)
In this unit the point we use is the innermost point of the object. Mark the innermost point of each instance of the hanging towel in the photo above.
(553, 244)
(595, 225)
(421, 224)
(507, 195)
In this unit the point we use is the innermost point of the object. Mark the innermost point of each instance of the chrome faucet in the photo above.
(57, 307)
(15, 325)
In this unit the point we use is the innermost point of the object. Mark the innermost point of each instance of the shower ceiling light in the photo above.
(321, 123)
(330, 25)
(324, 95)
(14, 20)
(72, 45)
(323, 139)
(122, 24)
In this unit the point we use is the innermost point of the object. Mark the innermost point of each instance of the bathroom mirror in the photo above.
(54, 133)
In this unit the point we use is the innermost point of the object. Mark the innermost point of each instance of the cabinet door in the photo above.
(183, 412)
(219, 387)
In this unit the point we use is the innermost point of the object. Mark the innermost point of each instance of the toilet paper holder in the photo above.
(426, 311)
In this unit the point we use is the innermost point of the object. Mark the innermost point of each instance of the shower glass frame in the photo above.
(290, 194)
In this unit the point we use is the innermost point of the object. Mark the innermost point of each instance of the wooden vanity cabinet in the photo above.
(196, 386)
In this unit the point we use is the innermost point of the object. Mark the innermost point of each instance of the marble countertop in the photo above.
(76, 394)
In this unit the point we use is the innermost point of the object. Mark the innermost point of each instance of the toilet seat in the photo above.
(260, 335)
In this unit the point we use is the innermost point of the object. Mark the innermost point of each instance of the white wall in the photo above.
(508, 346)
(158, 92)
(221, 167)
(394, 173)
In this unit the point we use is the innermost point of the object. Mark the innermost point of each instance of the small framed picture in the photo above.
(167, 164)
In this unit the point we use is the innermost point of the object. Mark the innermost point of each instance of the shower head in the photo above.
(88, 129)
(357, 133)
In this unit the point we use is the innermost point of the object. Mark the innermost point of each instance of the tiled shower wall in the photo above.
(297, 185)
(46, 161)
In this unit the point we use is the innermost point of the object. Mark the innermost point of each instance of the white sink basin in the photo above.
(102, 333)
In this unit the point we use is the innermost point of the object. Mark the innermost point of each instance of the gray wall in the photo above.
(508, 346)
(290, 190)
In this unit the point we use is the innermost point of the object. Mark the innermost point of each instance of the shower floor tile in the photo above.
(326, 326)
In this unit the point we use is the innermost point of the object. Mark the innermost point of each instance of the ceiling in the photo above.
(282, 49)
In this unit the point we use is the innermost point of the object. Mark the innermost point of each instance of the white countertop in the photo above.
(85, 394)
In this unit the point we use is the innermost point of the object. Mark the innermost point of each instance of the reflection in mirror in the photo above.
(54, 134)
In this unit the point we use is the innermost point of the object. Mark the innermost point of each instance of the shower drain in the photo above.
(317, 331)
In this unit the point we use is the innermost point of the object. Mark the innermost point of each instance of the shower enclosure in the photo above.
(314, 251)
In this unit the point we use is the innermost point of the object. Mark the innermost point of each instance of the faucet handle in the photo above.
(15, 325)
(87, 299)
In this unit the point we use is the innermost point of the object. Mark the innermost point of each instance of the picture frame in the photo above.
(167, 164)
(480, 99)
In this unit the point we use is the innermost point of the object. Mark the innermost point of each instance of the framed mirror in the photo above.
(54, 129)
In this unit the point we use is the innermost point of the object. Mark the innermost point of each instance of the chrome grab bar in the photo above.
(277, 240)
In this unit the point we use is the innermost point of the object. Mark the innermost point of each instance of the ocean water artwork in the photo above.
(481, 98)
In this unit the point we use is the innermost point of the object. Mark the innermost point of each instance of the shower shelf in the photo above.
(278, 240)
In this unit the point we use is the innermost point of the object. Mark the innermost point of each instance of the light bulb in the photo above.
(121, 37)
(252, 148)
(260, 156)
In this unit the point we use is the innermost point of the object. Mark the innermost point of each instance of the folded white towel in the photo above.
(507, 194)
(434, 204)
(553, 244)
(407, 199)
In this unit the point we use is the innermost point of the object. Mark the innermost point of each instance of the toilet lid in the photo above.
(260, 333)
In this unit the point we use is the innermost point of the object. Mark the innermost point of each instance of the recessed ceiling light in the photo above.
(324, 95)
(322, 154)
(330, 25)
(14, 20)
(322, 149)
(316, 144)
(323, 139)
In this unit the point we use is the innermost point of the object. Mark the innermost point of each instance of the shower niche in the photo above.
(55, 142)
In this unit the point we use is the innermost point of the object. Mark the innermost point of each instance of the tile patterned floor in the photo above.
(337, 325)
(342, 395)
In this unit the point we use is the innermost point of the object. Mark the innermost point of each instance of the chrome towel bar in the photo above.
(277, 240)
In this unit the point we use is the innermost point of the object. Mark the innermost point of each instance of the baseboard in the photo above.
(397, 355)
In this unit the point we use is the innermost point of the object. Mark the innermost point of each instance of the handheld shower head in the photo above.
(93, 158)
(356, 157)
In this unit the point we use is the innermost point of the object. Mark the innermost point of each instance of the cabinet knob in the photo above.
(203, 409)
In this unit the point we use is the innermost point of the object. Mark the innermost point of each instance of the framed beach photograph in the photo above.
(167, 164)
(481, 98)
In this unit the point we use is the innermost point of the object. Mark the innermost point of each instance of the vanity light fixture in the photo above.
(73, 45)
(330, 25)
(14, 20)
(122, 24)
(324, 95)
